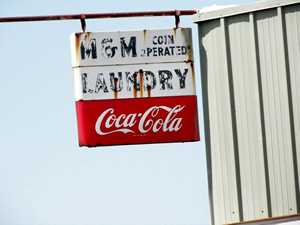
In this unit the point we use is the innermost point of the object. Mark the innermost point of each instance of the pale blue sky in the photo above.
(45, 178)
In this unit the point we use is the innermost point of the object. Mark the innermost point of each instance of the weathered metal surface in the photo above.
(286, 220)
(134, 81)
(242, 9)
(135, 87)
(139, 47)
(250, 77)
(96, 16)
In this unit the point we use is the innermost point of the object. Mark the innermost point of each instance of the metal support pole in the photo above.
(177, 18)
(83, 23)
(83, 17)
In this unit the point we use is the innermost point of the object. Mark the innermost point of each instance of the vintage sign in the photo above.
(134, 87)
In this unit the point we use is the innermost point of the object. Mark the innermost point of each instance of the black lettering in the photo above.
(149, 80)
(163, 40)
(160, 40)
(165, 78)
(130, 48)
(149, 50)
(167, 52)
(171, 39)
(116, 82)
(110, 51)
(84, 82)
(143, 52)
(100, 83)
(154, 40)
(160, 51)
(132, 81)
(182, 77)
(172, 49)
(183, 50)
(88, 50)
(154, 51)
(107, 48)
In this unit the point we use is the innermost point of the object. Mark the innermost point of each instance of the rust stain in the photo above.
(78, 37)
(141, 73)
(87, 35)
(191, 62)
(134, 85)
(149, 90)
(175, 31)
(190, 53)
(187, 36)
(77, 40)
(77, 46)
(145, 35)
(116, 81)
(188, 41)
(193, 72)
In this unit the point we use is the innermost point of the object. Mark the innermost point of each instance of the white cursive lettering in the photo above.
(149, 121)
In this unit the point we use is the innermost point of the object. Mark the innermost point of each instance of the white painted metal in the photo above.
(247, 8)
(292, 18)
(276, 110)
(222, 147)
(131, 47)
(250, 67)
(133, 64)
(248, 120)
(94, 83)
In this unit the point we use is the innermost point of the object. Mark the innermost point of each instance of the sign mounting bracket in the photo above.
(177, 18)
(84, 16)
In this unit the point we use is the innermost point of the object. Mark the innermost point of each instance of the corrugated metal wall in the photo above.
(250, 68)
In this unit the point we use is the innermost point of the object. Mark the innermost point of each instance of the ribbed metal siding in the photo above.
(250, 67)
(292, 21)
(225, 198)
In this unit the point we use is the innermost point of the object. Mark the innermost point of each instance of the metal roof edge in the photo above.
(270, 220)
(241, 9)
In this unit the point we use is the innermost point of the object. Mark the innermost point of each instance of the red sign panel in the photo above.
(137, 121)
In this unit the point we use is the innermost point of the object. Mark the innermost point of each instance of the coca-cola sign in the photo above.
(111, 122)
(149, 121)
(149, 97)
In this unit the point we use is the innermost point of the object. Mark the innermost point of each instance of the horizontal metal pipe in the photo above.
(96, 16)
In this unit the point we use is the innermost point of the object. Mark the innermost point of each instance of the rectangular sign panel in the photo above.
(131, 47)
(136, 121)
(134, 87)
(130, 81)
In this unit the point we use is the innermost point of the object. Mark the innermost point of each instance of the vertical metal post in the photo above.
(83, 23)
(177, 18)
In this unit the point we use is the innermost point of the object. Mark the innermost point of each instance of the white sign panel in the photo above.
(131, 47)
(130, 81)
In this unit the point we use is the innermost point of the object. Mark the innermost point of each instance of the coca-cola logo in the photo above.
(154, 119)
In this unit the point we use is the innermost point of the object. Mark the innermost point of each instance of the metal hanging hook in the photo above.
(82, 22)
(177, 18)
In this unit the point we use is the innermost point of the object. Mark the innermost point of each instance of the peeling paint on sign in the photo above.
(135, 87)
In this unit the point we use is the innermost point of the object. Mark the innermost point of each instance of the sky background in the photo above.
(45, 178)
